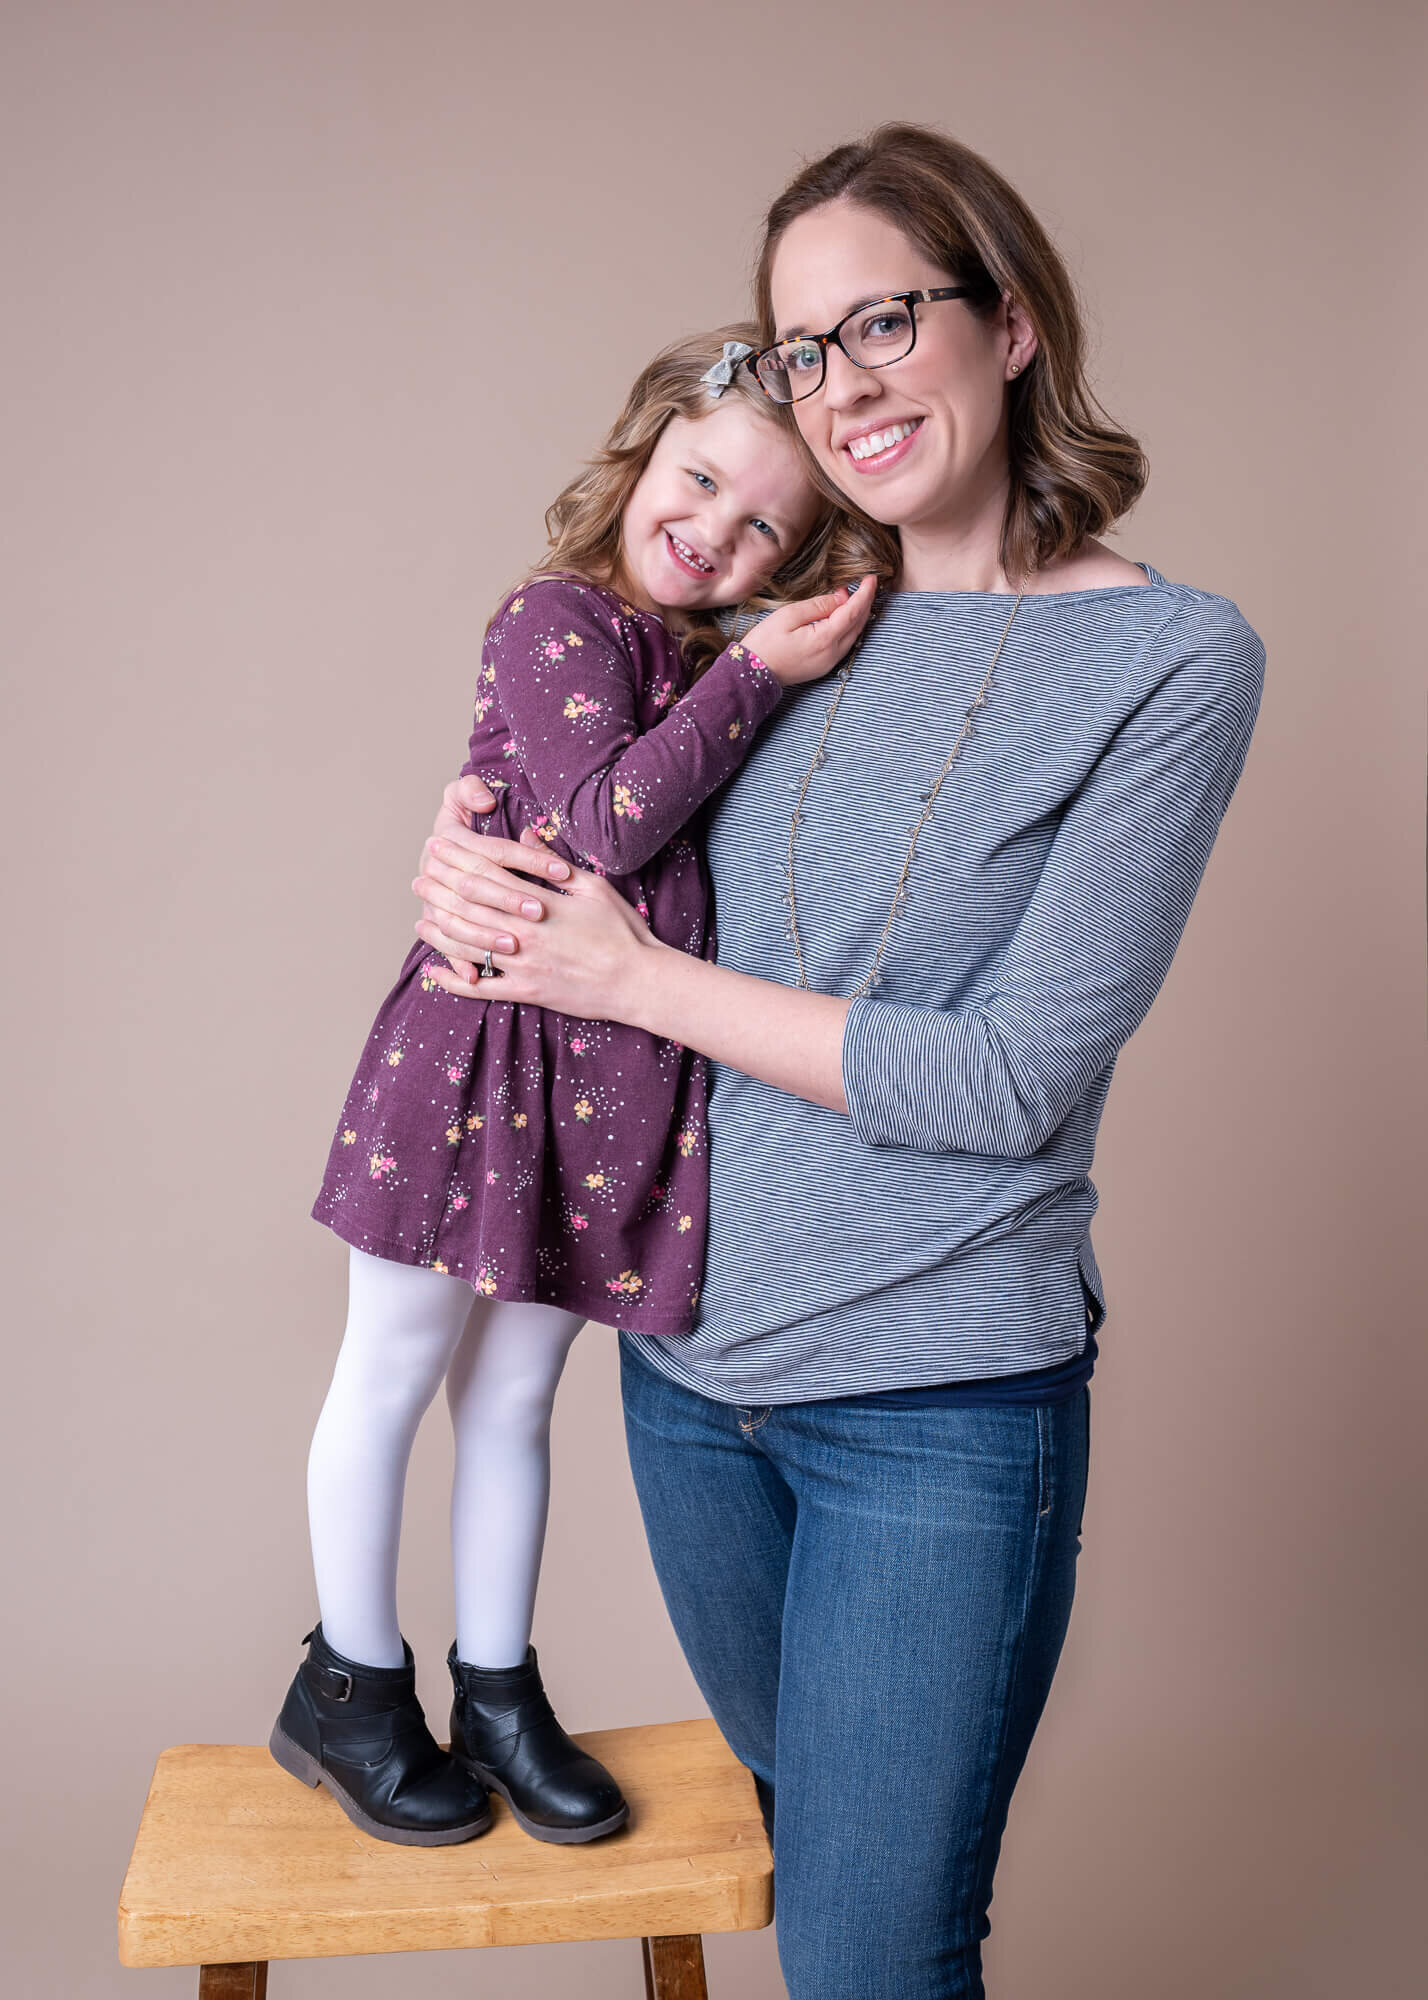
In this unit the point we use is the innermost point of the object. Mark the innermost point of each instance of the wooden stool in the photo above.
(235, 1864)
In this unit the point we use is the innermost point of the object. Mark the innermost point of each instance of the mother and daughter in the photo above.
(948, 885)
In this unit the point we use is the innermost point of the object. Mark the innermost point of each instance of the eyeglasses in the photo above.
(872, 336)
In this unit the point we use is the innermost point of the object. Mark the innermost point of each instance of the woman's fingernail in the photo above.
(559, 870)
(505, 944)
(531, 910)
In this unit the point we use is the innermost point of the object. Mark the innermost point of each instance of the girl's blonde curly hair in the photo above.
(584, 522)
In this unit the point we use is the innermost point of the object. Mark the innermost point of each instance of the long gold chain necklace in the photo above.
(874, 977)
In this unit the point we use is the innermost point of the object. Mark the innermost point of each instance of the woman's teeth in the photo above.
(687, 555)
(876, 441)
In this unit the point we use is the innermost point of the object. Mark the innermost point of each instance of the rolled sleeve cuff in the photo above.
(889, 1070)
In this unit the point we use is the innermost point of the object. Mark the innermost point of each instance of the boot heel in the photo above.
(294, 1759)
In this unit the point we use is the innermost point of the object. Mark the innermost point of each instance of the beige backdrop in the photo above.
(269, 465)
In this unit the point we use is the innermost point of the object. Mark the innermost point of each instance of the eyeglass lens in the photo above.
(871, 337)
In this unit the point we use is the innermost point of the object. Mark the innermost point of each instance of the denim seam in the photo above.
(1029, 1591)
(755, 1423)
(1045, 1479)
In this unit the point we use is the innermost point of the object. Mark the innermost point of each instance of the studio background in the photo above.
(310, 310)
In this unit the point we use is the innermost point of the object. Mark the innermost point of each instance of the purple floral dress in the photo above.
(537, 1156)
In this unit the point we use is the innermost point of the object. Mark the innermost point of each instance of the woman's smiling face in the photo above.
(944, 404)
(722, 504)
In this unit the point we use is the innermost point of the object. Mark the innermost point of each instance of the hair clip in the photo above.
(720, 377)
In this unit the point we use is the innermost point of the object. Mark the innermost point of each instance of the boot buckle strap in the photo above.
(327, 1676)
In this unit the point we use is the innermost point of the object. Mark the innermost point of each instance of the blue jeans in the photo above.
(873, 1601)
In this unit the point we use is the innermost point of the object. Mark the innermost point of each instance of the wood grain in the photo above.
(233, 1982)
(236, 1862)
(674, 1968)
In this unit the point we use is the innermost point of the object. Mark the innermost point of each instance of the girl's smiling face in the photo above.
(722, 504)
(920, 445)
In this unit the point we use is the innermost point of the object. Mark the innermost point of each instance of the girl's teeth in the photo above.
(683, 549)
(877, 441)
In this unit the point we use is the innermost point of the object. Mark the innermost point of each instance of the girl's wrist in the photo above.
(756, 659)
(748, 655)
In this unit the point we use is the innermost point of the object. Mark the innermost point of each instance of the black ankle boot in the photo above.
(360, 1731)
(504, 1730)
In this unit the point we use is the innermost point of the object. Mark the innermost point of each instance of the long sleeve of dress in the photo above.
(999, 1075)
(567, 669)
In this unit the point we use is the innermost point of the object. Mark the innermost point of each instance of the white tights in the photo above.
(407, 1329)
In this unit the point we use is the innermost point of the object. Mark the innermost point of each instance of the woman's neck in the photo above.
(936, 565)
(961, 549)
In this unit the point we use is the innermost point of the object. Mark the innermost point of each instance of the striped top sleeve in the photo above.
(999, 1074)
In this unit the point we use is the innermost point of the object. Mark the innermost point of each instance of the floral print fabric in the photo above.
(540, 1157)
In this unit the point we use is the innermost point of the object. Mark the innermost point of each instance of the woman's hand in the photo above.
(451, 831)
(583, 953)
(580, 949)
(802, 642)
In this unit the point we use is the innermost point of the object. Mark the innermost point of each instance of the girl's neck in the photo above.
(624, 586)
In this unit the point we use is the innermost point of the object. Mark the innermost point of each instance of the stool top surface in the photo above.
(235, 1860)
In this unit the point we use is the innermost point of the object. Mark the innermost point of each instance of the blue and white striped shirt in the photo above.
(941, 1231)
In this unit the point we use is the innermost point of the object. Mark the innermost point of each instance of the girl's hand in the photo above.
(462, 797)
(584, 956)
(802, 642)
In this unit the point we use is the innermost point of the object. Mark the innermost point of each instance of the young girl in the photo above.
(501, 1174)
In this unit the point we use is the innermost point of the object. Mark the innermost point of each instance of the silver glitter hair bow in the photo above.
(720, 377)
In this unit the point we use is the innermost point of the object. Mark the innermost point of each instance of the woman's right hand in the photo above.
(802, 642)
(462, 798)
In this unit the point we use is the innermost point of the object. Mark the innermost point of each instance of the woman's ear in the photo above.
(1020, 336)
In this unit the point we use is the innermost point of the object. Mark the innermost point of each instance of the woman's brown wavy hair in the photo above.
(584, 523)
(1072, 472)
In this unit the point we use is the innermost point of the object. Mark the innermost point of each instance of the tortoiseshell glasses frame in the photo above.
(808, 352)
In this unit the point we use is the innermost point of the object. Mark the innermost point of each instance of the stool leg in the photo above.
(674, 1968)
(234, 1982)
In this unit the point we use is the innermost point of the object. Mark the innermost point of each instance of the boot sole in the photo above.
(558, 1836)
(303, 1766)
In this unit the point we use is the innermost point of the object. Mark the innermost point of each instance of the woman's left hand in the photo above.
(585, 955)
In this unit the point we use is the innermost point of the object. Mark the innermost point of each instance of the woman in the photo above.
(947, 893)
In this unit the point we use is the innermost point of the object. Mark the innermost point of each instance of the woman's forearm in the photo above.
(779, 1034)
(583, 951)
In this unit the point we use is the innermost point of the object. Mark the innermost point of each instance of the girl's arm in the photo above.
(565, 677)
(997, 1075)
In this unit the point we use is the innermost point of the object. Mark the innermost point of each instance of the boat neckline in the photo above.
(1152, 582)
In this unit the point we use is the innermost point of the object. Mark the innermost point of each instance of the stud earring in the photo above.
(1016, 368)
